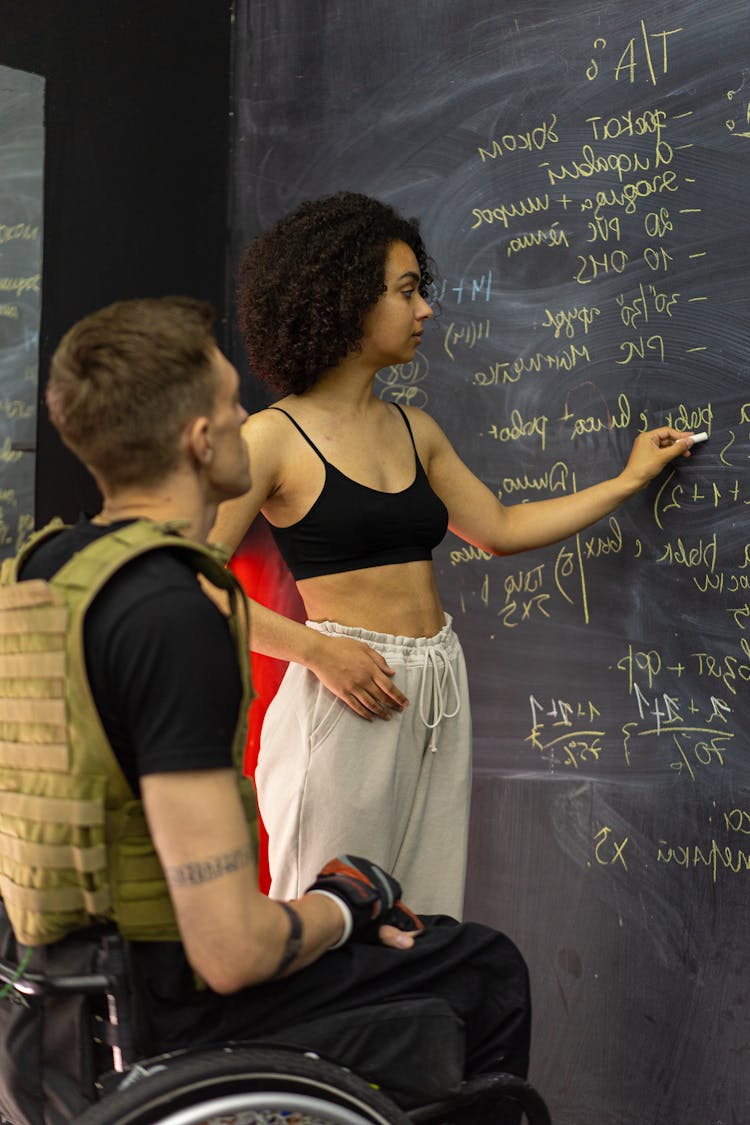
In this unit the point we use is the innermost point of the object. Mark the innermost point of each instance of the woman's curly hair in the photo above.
(305, 285)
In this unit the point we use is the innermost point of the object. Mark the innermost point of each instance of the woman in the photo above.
(358, 492)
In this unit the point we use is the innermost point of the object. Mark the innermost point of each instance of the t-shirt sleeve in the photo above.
(167, 683)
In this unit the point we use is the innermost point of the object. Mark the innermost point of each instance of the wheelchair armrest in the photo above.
(41, 984)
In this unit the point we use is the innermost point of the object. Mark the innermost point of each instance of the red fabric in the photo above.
(265, 578)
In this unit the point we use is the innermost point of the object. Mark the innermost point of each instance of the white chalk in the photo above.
(702, 436)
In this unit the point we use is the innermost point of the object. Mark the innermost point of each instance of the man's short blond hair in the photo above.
(125, 381)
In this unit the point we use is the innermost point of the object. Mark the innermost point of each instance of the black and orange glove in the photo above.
(403, 918)
(372, 895)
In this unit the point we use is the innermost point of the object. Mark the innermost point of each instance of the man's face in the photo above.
(229, 467)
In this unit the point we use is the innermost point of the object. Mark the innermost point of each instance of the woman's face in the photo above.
(392, 328)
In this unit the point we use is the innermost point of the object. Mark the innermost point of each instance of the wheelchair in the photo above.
(237, 1083)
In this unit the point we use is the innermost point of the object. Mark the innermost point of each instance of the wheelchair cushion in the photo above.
(412, 1048)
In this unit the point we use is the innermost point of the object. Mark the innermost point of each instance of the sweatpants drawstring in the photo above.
(440, 680)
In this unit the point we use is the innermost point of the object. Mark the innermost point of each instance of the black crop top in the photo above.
(351, 526)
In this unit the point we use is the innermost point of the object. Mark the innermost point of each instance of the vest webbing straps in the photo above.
(74, 843)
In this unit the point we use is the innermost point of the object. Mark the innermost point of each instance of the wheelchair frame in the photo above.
(258, 1076)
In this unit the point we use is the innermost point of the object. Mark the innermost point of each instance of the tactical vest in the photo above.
(74, 845)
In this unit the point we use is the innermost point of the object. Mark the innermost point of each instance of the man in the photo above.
(142, 395)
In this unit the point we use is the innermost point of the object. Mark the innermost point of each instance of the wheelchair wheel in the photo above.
(238, 1085)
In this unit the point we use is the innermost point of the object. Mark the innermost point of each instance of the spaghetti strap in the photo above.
(297, 426)
(402, 412)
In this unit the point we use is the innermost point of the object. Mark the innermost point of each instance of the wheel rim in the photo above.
(219, 1110)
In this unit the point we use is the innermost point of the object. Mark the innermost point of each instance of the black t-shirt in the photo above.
(161, 660)
(165, 679)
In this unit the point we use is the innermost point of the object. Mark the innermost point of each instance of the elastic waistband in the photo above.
(406, 649)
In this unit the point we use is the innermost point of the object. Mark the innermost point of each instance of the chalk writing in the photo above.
(20, 285)
(400, 383)
(568, 320)
(468, 554)
(16, 408)
(555, 236)
(645, 303)
(716, 858)
(23, 231)
(553, 480)
(592, 163)
(645, 55)
(640, 347)
(503, 213)
(520, 428)
(21, 162)
(471, 288)
(469, 335)
(532, 140)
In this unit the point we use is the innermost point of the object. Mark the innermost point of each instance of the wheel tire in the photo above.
(158, 1089)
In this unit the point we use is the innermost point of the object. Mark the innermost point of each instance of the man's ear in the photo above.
(197, 440)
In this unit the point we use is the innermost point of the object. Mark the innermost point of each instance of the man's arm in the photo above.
(233, 934)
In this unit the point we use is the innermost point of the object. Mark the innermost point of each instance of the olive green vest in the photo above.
(74, 845)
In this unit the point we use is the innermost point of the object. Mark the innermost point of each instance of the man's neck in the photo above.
(168, 501)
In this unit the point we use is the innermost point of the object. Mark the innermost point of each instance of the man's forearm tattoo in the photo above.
(204, 870)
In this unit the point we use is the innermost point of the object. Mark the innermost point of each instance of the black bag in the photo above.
(47, 1054)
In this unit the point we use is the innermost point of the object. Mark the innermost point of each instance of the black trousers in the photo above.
(477, 972)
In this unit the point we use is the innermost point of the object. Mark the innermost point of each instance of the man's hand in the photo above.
(402, 926)
(358, 675)
(372, 896)
(396, 938)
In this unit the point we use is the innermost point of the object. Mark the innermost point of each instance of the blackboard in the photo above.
(581, 171)
(21, 206)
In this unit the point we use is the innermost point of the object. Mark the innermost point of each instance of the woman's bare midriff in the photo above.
(400, 599)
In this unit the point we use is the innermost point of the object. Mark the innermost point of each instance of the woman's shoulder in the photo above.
(423, 425)
(268, 422)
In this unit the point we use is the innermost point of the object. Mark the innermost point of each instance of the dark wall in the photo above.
(137, 117)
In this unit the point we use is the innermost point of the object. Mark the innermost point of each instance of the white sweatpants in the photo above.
(396, 792)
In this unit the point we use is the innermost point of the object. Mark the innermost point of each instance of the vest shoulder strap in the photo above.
(10, 567)
(91, 568)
